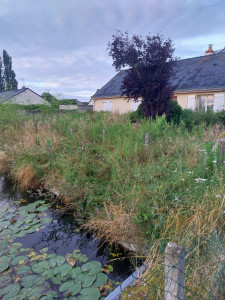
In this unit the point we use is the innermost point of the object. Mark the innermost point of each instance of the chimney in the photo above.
(23, 87)
(210, 50)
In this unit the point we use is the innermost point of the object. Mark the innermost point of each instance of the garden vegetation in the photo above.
(140, 195)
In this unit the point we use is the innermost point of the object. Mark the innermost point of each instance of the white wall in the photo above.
(27, 98)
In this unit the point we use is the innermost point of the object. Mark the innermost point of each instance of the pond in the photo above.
(44, 255)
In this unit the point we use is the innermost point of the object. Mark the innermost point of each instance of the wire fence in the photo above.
(193, 272)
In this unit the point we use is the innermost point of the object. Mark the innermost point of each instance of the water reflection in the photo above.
(62, 236)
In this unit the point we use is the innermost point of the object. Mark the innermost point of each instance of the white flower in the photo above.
(214, 161)
(200, 179)
(190, 172)
(218, 196)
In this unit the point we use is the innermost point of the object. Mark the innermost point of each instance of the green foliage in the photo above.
(136, 115)
(175, 113)
(8, 80)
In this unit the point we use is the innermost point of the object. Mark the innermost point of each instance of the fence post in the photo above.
(146, 139)
(174, 272)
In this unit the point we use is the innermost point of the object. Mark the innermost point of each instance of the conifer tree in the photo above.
(8, 80)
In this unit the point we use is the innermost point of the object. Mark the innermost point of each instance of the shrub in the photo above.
(175, 113)
(136, 115)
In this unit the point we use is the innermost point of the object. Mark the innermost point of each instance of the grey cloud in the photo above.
(60, 45)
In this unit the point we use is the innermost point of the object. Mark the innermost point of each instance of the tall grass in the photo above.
(147, 195)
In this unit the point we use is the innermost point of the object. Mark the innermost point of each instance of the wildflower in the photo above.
(182, 179)
(214, 161)
(190, 172)
(218, 196)
(200, 179)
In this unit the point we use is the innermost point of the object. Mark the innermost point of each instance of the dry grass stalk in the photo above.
(118, 229)
(26, 177)
(4, 162)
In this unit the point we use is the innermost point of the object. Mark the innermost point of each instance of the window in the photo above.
(206, 102)
(107, 105)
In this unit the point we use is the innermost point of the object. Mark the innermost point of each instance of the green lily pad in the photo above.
(66, 286)
(89, 294)
(93, 267)
(75, 289)
(12, 290)
(17, 245)
(65, 269)
(37, 268)
(75, 272)
(44, 249)
(48, 273)
(56, 280)
(3, 266)
(45, 220)
(43, 264)
(101, 279)
(81, 277)
(88, 280)
(4, 280)
(5, 259)
(50, 296)
(60, 260)
(52, 262)
(28, 281)
(23, 270)
(18, 259)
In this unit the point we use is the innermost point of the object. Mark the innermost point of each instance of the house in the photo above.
(23, 96)
(199, 82)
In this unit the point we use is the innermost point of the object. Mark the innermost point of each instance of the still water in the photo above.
(62, 236)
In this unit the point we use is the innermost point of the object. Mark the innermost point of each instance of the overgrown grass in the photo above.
(125, 190)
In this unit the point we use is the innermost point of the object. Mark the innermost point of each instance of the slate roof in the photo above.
(10, 94)
(198, 73)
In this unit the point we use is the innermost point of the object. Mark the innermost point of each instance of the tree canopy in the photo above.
(149, 68)
(8, 80)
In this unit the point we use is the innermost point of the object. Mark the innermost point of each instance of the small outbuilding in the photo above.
(23, 96)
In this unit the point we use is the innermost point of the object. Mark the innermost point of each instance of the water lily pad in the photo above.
(56, 280)
(60, 260)
(48, 273)
(45, 220)
(75, 289)
(4, 280)
(18, 259)
(3, 266)
(17, 245)
(75, 272)
(66, 286)
(43, 264)
(12, 290)
(88, 280)
(37, 268)
(52, 262)
(81, 277)
(39, 280)
(44, 249)
(23, 270)
(89, 294)
(101, 279)
(28, 281)
(65, 269)
(92, 267)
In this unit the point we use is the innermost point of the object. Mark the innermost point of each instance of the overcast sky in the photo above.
(60, 45)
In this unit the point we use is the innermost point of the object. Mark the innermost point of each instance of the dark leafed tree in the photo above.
(9, 76)
(1, 76)
(149, 65)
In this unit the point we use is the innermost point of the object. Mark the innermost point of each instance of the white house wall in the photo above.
(27, 97)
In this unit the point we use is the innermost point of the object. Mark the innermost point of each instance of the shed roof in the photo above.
(198, 73)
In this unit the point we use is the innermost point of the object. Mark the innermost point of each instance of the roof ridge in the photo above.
(219, 53)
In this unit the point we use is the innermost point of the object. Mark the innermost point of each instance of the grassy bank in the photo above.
(171, 190)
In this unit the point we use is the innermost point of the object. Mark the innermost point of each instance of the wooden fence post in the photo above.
(174, 272)
(146, 139)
